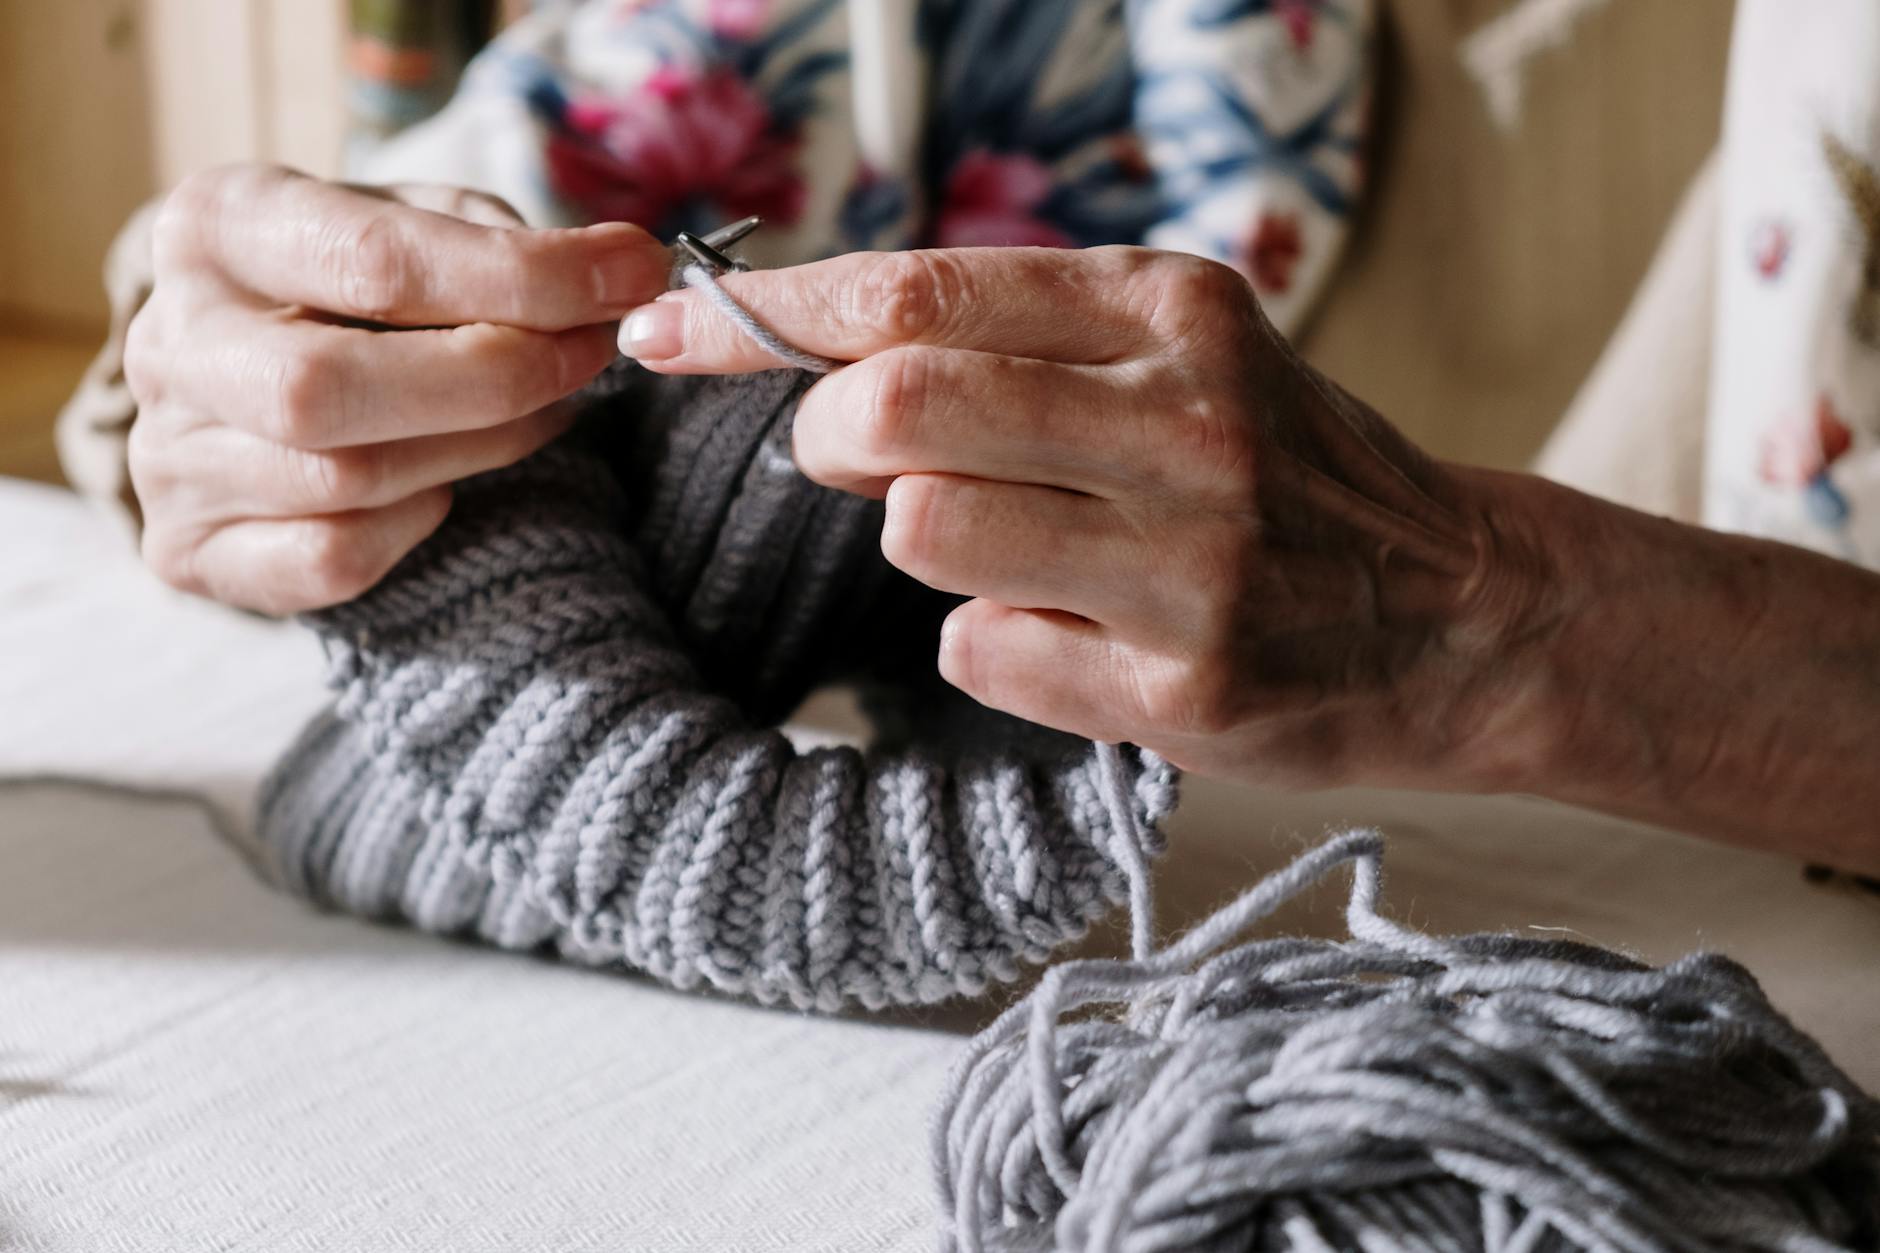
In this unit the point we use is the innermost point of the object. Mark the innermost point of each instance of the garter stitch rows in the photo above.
(1398, 1091)
(555, 727)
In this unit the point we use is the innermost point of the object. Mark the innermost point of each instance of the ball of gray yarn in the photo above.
(1400, 1091)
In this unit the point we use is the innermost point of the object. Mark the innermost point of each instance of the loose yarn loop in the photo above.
(700, 279)
(1399, 1091)
(1391, 1091)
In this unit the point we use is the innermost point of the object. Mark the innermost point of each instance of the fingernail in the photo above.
(953, 650)
(654, 331)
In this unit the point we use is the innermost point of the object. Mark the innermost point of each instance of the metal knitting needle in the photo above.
(725, 236)
(706, 251)
(706, 255)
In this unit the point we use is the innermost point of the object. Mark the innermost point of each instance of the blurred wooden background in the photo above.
(1486, 273)
(103, 102)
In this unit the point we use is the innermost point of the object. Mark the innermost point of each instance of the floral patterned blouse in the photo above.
(1229, 128)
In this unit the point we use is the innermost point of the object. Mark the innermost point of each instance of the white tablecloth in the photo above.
(189, 1060)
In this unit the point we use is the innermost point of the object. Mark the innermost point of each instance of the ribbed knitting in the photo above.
(555, 727)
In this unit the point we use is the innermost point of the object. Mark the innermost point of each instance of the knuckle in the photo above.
(144, 357)
(301, 385)
(171, 559)
(1213, 436)
(1192, 297)
(149, 461)
(1131, 270)
(371, 269)
(910, 296)
(1203, 284)
(510, 383)
(901, 380)
(343, 478)
(812, 446)
(969, 655)
(173, 230)
(908, 538)
(522, 255)
(184, 212)
(516, 265)
(334, 568)
(1193, 698)
(190, 210)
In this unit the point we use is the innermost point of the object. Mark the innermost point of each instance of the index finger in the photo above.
(296, 240)
(1083, 307)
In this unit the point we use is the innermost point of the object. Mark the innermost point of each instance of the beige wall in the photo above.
(1490, 266)
(104, 101)
(74, 150)
(246, 80)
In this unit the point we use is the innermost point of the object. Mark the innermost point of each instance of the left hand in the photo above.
(1173, 532)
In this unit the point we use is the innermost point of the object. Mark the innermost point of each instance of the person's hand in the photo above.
(1173, 531)
(317, 363)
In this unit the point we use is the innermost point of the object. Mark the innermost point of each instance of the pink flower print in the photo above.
(1799, 451)
(1301, 18)
(991, 199)
(738, 19)
(681, 139)
(1769, 244)
(1271, 251)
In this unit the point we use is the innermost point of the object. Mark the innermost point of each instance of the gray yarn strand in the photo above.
(1397, 1090)
(700, 279)
(1127, 846)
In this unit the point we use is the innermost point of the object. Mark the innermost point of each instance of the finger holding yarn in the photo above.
(1396, 1090)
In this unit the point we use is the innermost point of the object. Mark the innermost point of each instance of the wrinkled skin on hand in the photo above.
(317, 363)
(1172, 530)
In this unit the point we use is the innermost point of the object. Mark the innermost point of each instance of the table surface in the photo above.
(191, 1060)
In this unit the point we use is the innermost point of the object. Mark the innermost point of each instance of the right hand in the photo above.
(317, 364)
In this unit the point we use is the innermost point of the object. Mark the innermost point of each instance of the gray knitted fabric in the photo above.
(556, 728)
